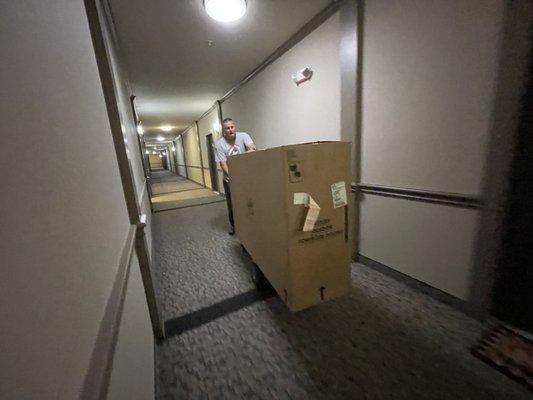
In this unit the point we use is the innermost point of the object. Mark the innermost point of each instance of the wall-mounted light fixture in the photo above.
(140, 129)
(225, 10)
(302, 75)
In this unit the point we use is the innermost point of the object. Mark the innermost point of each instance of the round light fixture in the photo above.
(225, 10)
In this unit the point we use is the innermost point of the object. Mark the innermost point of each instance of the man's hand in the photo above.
(251, 147)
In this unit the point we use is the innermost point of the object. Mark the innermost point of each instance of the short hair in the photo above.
(227, 120)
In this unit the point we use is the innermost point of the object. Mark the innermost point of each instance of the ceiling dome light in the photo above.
(225, 10)
(165, 128)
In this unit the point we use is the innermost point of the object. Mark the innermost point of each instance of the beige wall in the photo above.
(275, 112)
(180, 156)
(67, 223)
(429, 242)
(192, 155)
(429, 70)
(156, 162)
(130, 378)
(429, 77)
(129, 130)
(123, 95)
(208, 124)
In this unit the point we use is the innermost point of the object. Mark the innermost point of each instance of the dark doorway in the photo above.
(212, 162)
(164, 161)
(513, 290)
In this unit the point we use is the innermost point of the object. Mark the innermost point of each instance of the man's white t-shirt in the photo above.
(223, 149)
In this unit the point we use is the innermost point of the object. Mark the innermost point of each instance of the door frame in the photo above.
(210, 144)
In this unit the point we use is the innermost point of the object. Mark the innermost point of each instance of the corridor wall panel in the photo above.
(192, 155)
(429, 79)
(156, 162)
(209, 124)
(67, 223)
(275, 112)
(133, 373)
(123, 95)
(428, 88)
(129, 129)
(180, 156)
(430, 242)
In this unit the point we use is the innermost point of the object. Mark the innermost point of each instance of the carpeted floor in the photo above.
(167, 182)
(171, 191)
(381, 341)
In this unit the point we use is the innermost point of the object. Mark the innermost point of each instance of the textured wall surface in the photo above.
(274, 111)
(428, 88)
(67, 222)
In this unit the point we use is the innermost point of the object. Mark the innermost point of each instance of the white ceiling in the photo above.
(175, 73)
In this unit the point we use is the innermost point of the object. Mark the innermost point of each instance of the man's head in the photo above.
(228, 129)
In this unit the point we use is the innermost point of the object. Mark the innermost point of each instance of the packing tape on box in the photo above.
(313, 209)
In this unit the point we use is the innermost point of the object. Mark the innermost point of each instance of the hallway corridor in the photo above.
(381, 341)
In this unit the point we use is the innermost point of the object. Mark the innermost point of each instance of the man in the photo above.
(231, 143)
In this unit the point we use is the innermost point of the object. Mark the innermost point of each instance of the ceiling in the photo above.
(179, 60)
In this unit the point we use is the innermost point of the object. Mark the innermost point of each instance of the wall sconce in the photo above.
(302, 75)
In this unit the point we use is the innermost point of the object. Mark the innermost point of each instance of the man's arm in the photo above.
(249, 143)
(224, 166)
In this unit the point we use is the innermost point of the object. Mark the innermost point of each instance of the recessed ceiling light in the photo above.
(225, 10)
(160, 138)
(166, 128)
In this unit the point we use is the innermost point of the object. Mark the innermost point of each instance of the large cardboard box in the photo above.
(290, 205)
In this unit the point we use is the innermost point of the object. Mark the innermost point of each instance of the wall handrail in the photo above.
(443, 198)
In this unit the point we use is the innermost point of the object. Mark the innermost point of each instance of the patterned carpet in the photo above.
(167, 182)
(381, 341)
(171, 192)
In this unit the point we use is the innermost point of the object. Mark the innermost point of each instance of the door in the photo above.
(513, 289)
(212, 163)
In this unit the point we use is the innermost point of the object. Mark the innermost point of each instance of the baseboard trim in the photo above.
(96, 383)
(463, 306)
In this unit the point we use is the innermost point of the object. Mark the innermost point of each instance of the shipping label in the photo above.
(338, 194)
